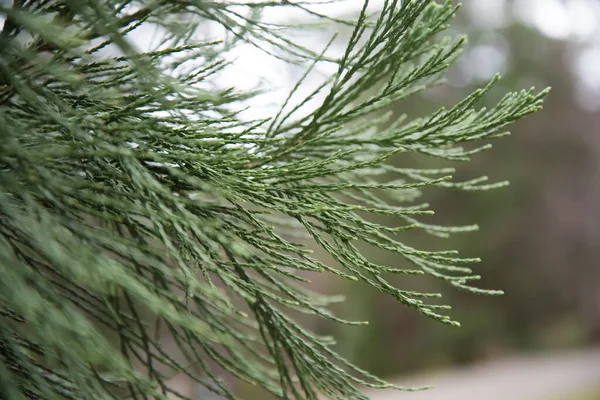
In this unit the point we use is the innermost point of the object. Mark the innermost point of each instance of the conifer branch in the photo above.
(134, 199)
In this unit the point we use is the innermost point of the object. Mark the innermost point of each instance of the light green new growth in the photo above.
(135, 201)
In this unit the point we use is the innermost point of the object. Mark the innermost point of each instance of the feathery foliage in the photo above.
(136, 201)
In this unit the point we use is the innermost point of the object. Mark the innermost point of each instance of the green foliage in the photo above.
(135, 200)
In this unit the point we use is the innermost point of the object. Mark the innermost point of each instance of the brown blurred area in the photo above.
(539, 238)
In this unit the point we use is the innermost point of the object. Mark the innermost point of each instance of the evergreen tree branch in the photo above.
(135, 200)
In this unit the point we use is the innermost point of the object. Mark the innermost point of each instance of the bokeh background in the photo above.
(539, 237)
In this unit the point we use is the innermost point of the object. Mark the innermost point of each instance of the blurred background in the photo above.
(539, 238)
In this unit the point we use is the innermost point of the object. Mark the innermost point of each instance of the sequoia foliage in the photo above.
(136, 202)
